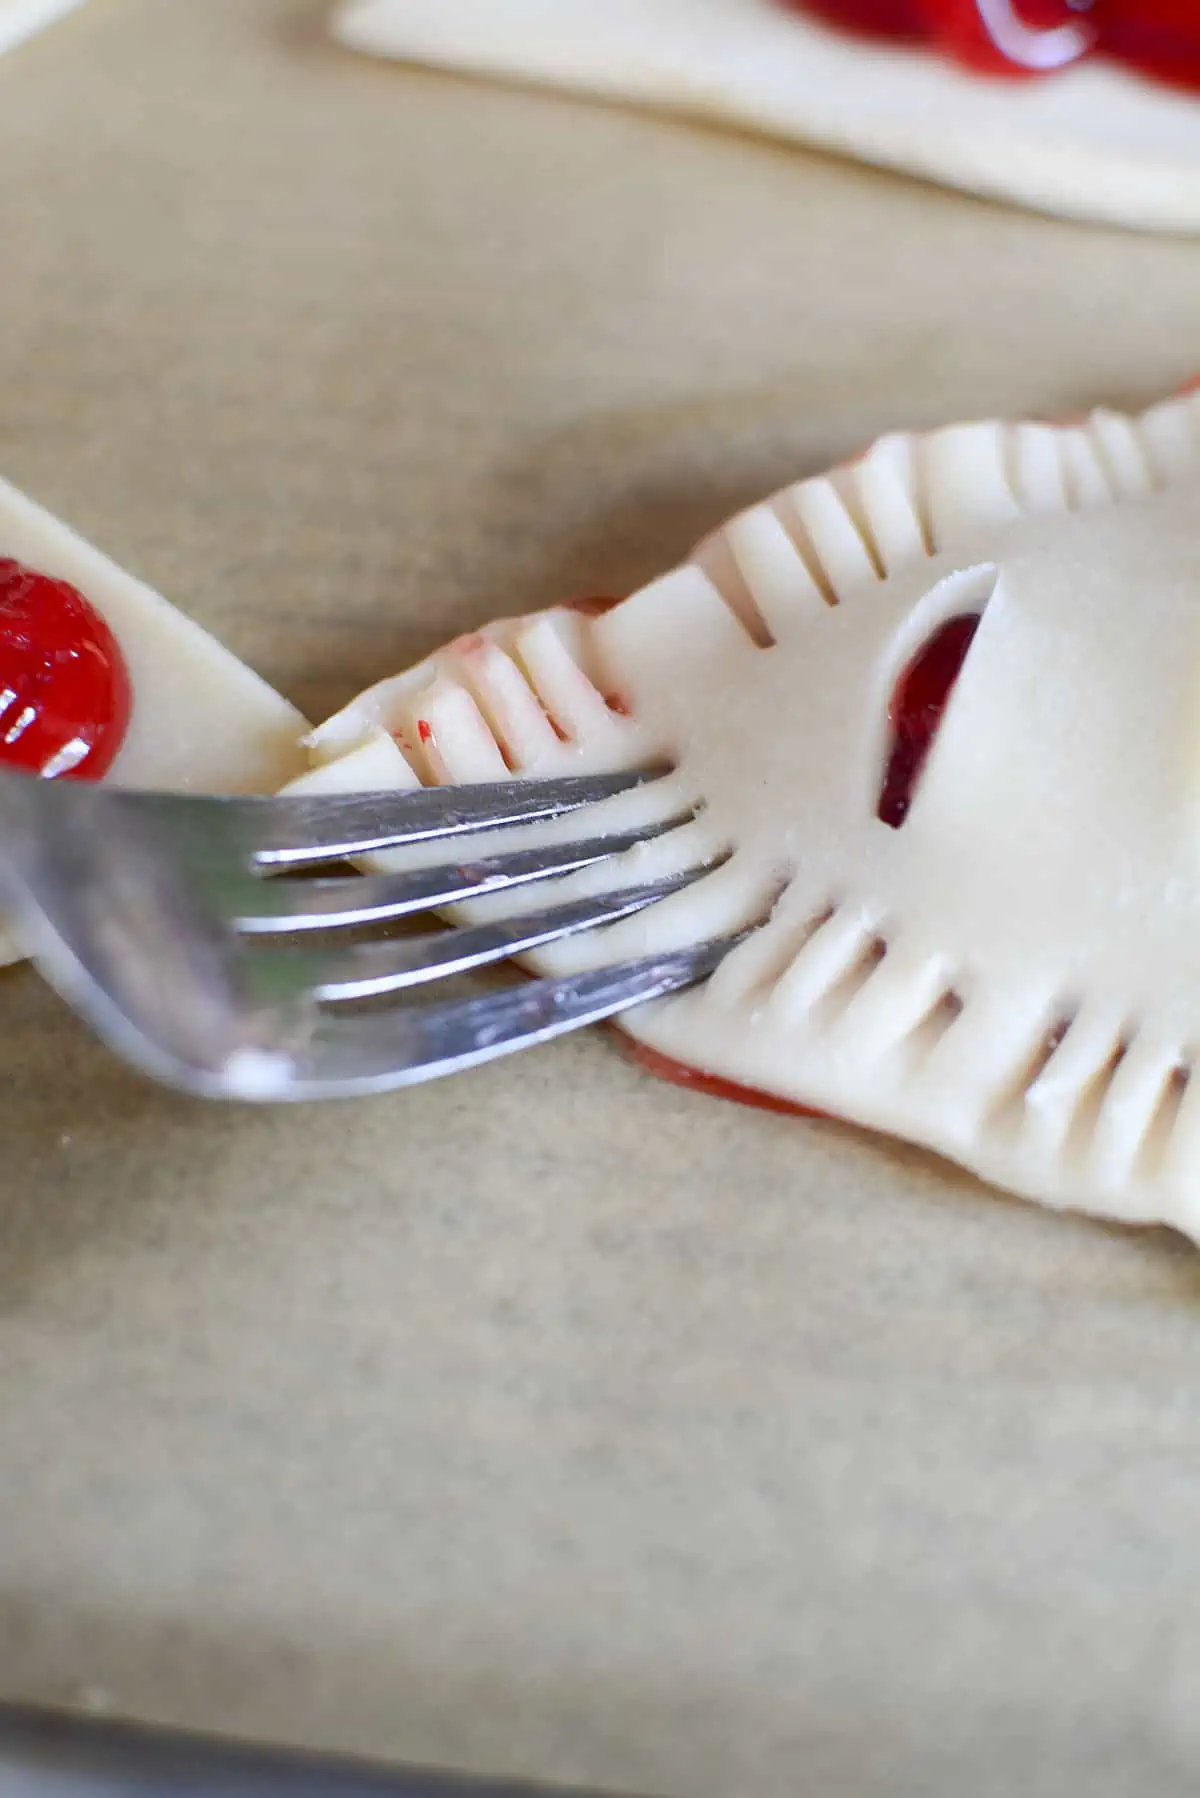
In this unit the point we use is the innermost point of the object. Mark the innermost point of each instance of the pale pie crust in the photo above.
(1096, 141)
(1012, 977)
(202, 721)
(21, 19)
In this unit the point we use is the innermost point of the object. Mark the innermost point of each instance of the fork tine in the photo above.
(293, 830)
(276, 907)
(366, 970)
(126, 900)
(413, 1043)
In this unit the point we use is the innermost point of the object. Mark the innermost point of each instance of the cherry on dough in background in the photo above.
(1033, 37)
(1095, 136)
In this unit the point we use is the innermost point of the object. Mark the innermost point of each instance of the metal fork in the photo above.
(153, 916)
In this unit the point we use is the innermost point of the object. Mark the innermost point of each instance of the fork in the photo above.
(162, 921)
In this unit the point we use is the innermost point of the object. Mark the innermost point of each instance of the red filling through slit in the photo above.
(918, 704)
(915, 713)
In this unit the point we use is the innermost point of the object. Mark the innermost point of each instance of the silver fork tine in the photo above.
(130, 902)
(367, 970)
(279, 906)
(296, 830)
(385, 1050)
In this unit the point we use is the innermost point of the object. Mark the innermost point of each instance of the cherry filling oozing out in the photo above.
(65, 695)
(1030, 37)
(678, 1073)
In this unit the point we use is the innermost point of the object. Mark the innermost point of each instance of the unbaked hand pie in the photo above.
(101, 677)
(1102, 121)
(938, 716)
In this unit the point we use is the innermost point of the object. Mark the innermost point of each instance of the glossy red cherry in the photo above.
(65, 696)
(998, 36)
(1030, 37)
(907, 20)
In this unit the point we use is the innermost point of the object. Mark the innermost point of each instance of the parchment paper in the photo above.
(551, 1421)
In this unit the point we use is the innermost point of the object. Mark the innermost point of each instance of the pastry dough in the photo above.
(1096, 141)
(21, 19)
(1011, 976)
(201, 720)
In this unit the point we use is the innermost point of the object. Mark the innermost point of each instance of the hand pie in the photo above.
(1098, 139)
(100, 677)
(940, 713)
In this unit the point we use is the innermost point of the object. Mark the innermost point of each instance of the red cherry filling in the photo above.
(918, 702)
(591, 605)
(1001, 37)
(1013, 37)
(902, 19)
(65, 696)
(665, 1067)
(1160, 36)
